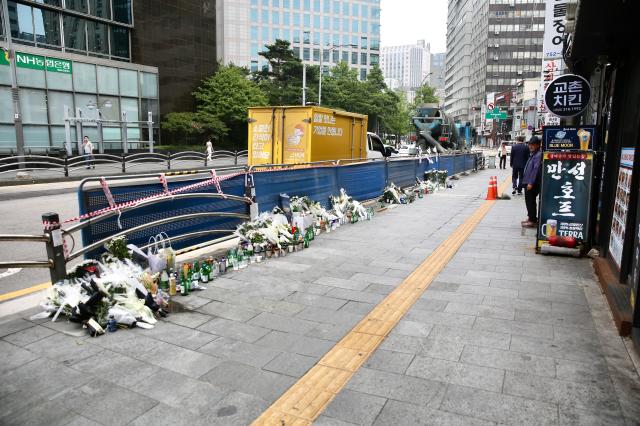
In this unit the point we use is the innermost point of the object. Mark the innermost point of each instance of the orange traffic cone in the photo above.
(495, 187)
(491, 191)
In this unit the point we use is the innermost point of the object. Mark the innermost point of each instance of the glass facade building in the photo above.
(327, 31)
(74, 54)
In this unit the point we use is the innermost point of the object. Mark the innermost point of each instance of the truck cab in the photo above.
(375, 147)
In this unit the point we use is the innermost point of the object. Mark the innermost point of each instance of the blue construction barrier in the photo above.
(362, 181)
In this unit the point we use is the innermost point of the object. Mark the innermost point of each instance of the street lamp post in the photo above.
(331, 49)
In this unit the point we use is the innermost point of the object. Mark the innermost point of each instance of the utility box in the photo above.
(297, 134)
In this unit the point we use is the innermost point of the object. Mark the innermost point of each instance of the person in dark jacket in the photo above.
(519, 157)
(531, 178)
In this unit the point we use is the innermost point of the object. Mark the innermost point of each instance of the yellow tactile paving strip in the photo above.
(311, 394)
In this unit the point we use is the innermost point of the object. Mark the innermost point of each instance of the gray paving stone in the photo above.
(355, 407)
(514, 327)
(282, 323)
(79, 420)
(181, 392)
(397, 273)
(443, 286)
(357, 296)
(401, 343)
(397, 265)
(430, 305)
(13, 356)
(232, 312)
(555, 349)
(64, 349)
(40, 413)
(500, 408)
(316, 300)
(330, 421)
(579, 319)
(573, 416)
(391, 361)
(464, 280)
(252, 354)
(291, 364)
(412, 328)
(512, 303)
(115, 368)
(443, 318)
(457, 373)
(237, 409)
(266, 385)
(356, 267)
(228, 283)
(377, 279)
(234, 329)
(188, 319)
(595, 396)
(360, 308)
(12, 325)
(480, 310)
(28, 335)
(581, 371)
(394, 386)
(451, 296)
(97, 399)
(187, 338)
(379, 289)
(507, 360)
(183, 361)
(332, 332)
(348, 284)
(487, 291)
(471, 336)
(165, 415)
(301, 345)
(396, 413)
(328, 316)
(576, 299)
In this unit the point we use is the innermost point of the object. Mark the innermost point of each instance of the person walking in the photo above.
(87, 150)
(517, 161)
(531, 179)
(209, 150)
(503, 155)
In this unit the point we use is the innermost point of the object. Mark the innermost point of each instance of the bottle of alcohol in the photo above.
(189, 280)
(164, 280)
(172, 283)
(213, 268)
(195, 274)
(183, 283)
(306, 240)
(204, 271)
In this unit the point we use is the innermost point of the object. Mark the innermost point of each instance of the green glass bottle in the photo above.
(195, 275)
(183, 283)
(204, 271)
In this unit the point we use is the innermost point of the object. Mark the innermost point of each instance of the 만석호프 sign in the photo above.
(565, 196)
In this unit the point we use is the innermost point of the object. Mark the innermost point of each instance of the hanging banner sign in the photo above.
(565, 197)
(37, 62)
(554, 25)
(557, 138)
(4, 57)
(567, 95)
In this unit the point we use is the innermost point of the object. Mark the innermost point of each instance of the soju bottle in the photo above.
(204, 272)
(164, 280)
(306, 240)
(213, 266)
(183, 284)
(195, 275)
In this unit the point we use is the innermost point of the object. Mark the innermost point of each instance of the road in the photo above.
(21, 208)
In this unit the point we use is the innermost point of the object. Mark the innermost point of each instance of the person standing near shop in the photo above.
(87, 150)
(531, 180)
(503, 155)
(209, 150)
(518, 159)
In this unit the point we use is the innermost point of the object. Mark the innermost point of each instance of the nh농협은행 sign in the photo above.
(565, 196)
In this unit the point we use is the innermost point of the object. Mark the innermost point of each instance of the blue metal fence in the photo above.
(362, 181)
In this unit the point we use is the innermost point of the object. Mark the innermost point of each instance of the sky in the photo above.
(407, 21)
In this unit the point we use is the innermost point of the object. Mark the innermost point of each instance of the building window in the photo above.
(363, 59)
(128, 83)
(316, 22)
(296, 4)
(77, 5)
(84, 77)
(363, 42)
(148, 85)
(345, 9)
(285, 18)
(316, 5)
(100, 8)
(296, 19)
(254, 66)
(345, 56)
(306, 55)
(327, 6)
(354, 26)
(47, 27)
(363, 74)
(36, 136)
(307, 4)
(374, 59)
(275, 33)
(265, 34)
(34, 106)
(345, 25)
(74, 33)
(119, 42)
(307, 20)
(122, 11)
(336, 56)
(354, 58)
(6, 106)
(98, 37)
(336, 7)
(254, 15)
(107, 80)
(265, 16)
(316, 38)
(355, 10)
(60, 81)
(29, 77)
(306, 37)
(8, 136)
(22, 24)
(316, 55)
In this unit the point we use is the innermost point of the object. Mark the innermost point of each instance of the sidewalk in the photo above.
(500, 336)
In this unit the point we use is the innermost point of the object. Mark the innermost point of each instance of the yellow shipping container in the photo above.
(297, 134)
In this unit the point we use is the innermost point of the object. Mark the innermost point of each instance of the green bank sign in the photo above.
(37, 62)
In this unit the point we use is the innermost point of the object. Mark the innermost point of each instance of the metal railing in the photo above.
(68, 166)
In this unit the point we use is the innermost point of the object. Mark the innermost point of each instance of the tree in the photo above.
(183, 124)
(399, 122)
(426, 95)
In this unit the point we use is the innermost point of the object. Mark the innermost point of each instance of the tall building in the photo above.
(76, 54)
(331, 30)
(491, 46)
(407, 67)
(437, 74)
(460, 22)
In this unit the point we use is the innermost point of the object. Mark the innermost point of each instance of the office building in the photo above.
(320, 31)
(408, 66)
(491, 46)
(76, 54)
(436, 79)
